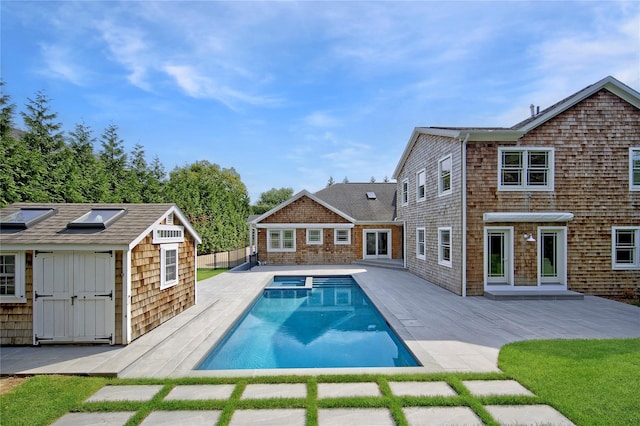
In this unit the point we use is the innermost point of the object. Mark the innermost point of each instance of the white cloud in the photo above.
(321, 119)
(60, 64)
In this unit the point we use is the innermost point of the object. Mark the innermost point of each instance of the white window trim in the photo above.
(405, 192)
(440, 190)
(442, 261)
(424, 197)
(632, 187)
(524, 187)
(625, 266)
(422, 256)
(20, 295)
(164, 248)
(281, 232)
(314, 242)
(335, 237)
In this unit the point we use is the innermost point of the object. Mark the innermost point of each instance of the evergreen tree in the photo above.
(271, 198)
(87, 175)
(331, 181)
(114, 161)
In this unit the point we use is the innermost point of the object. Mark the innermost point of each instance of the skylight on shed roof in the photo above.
(26, 217)
(371, 195)
(97, 218)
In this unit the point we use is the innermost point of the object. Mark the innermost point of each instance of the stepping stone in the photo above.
(341, 390)
(107, 419)
(355, 416)
(199, 392)
(286, 390)
(496, 387)
(441, 416)
(278, 417)
(421, 389)
(527, 415)
(191, 418)
(125, 393)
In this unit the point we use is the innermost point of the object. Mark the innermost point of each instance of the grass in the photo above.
(204, 273)
(592, 382)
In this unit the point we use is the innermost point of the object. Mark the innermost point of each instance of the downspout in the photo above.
(464, 215)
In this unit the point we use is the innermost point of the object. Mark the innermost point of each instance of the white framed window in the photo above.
(405, 192)
(444, 175)
(314, 236)
(168, 265)
(342, 236)
(530, 169)
(281, 240)
(444, 246)
(625, 247)
(634, 169)
(12, 277)
(420, 244)
(421, 185)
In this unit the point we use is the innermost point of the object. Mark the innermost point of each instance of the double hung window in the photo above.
(626, 247)
(421, 180)
(528, 169)
(444, 246)
(634, 169)
(444, 176)
(168, 265)
(281, 240)
(12, 288)
(342, 236)
(420, 244)
(405, 192)
(314, 236)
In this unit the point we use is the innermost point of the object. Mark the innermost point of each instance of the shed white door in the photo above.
(74, 297)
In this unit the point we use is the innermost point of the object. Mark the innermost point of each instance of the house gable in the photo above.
(305, 210)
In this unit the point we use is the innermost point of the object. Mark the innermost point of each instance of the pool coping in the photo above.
(446, 332)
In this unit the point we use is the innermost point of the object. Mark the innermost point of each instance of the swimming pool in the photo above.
(328, 324)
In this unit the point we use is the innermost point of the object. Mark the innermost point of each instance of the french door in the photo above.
(552, 256)
(377, 244)
(499, 256)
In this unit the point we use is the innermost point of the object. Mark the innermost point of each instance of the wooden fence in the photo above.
(225, 259)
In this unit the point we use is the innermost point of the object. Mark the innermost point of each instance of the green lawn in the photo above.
(204, 273)
(592, 382)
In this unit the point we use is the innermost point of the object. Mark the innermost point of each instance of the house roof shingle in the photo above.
(53, 230)
(351, 198)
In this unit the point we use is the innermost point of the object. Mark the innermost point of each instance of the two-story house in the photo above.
(552, 203)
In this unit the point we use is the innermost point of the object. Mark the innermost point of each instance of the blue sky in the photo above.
(291, 93)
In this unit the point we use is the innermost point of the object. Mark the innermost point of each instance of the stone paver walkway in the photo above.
(296, 394)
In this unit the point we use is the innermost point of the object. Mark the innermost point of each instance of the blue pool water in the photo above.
(331, 325)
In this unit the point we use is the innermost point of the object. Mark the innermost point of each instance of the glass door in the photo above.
(552, 257)
(498, 257)
(377, 244)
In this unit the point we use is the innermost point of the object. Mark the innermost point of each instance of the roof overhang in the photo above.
(527, 217)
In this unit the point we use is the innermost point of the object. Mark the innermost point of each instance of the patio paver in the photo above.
(421, 389)
(199, 392)
(104, 419)
(496, 387)
(172, 418)
(125, 393)
(355, 416)
(342, 390)
(277, 417)
(524, 415)
(285, 390)
(441, 416)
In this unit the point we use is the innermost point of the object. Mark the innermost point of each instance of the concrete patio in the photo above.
(447, 333)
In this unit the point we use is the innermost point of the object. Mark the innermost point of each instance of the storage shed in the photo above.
(93, 273)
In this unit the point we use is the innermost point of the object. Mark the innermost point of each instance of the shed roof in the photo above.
(127, 229)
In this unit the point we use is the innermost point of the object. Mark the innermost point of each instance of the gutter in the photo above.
(464, 215)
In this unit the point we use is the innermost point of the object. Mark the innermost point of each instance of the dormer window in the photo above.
(26, 218)
(97, 218)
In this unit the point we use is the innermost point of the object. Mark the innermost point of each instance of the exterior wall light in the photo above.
(529, 238)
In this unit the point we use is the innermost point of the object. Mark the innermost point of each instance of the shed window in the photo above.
(168, 234)
(25, 218)
(97, 218)
(12, 286)
(168, 265)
